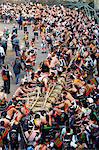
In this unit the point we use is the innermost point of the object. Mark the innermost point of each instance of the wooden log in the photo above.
(39, 103)
(48, 105)
(51, 99)
(54, 94)
(58, 91)
(37, 109)
(61, 81)
(58, 87)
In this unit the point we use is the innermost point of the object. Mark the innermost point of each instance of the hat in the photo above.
(72, 144)
(90, 100)
(51, 144)
(63, 132)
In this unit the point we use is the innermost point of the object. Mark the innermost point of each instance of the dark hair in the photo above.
(33, 39)
(6, 66)
(38, 72)
(43, 112)
(50, 109)
(3, 114)
(47, 118)
(2, 123)
(37, 116)
(68, 69)
(32, 75)
(71, 76)
(85, 104)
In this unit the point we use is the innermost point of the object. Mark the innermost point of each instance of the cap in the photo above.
(90, 100)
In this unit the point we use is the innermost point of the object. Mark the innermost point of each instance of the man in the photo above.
(16, 45)
(20, 22)
(17, 69)
(14, 29)
(2, 55)
(12, 38)
(6, 78)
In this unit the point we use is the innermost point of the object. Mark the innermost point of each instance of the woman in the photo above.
(6, 78)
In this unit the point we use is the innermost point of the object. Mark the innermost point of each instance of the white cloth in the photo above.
(2, 53)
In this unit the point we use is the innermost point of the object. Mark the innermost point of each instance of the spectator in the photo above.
(20, 22)
(6, 74)
(14, 29)
(4, 43)
(17, 69)
(12, 38)
(16, 45)
(2, 55)
(69, 119)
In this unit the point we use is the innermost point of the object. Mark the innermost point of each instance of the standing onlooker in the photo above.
(16, 45)
(36, 32)
(6, 78)
(12, 38)
(14, 29)
(25, 27)
(17, 69)
(2, 55)
(6, 33)
(4, 43)
(14, 137)
(20, 22)
(26, 39)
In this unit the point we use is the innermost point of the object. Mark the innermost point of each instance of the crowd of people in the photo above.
(71, 40)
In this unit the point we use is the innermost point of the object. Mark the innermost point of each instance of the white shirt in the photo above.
(2, 51)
